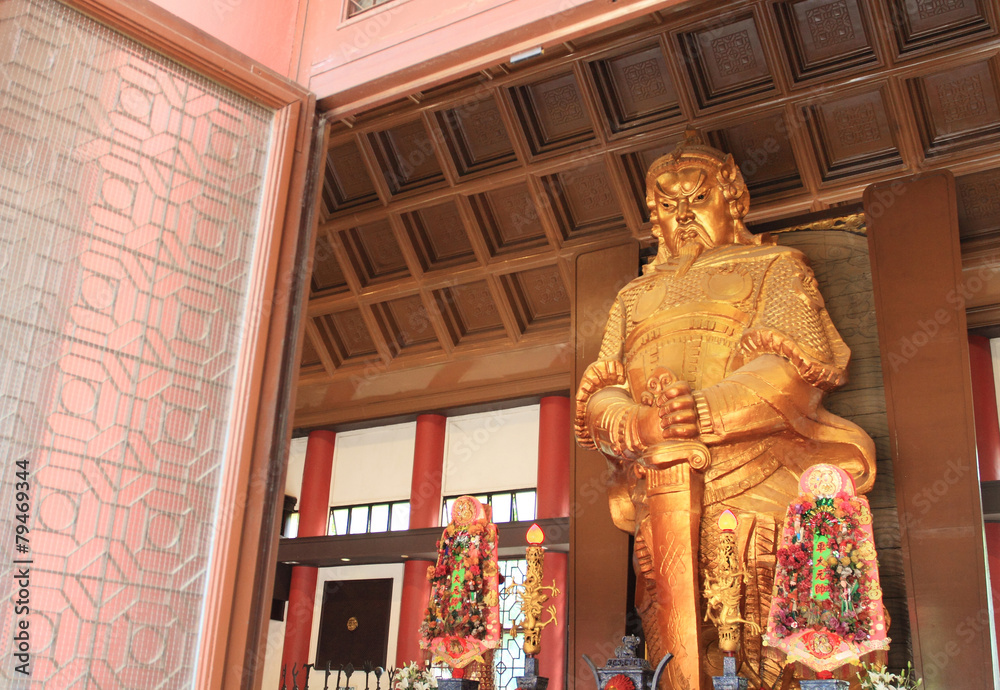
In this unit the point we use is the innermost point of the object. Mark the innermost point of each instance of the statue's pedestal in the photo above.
(531, 680)
(825, 684)
(729, 680)
(457, 684)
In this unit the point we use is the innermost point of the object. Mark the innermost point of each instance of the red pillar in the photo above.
(984, 403)
(314, 515)
(554, 439)
(425, 511)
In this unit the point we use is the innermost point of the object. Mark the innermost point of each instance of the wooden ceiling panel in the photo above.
(438, 236)
(957, 108)
(406, 156)
(552, 113)
(406, 326)
(346, 183)
(445, 215)
(824, 37)
(635, 89)
(508, 219)
(374, 253)
(583, 201)
(726, 61)
(764, 153)
(310, 357)
(853, 135)
(476, 136)
(978, 203)
(929, 24)
(327, 274)
(345, 336)
(470, 313)
(538, 298)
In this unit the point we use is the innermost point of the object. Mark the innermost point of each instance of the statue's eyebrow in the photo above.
(697, 185)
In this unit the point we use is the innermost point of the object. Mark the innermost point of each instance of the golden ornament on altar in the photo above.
(706, 396)
(533, 595)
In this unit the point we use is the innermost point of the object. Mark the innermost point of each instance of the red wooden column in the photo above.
(923, 339)
(554, 441)
(425, 511)
(984, 401)
(314, 515)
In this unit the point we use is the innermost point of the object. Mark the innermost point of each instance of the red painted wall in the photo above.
(407, 45)
(265, 30)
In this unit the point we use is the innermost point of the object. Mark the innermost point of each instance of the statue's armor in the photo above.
(702, 323)
(697, 324)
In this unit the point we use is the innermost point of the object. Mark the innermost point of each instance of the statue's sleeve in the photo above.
(792, 322)
(607, 371)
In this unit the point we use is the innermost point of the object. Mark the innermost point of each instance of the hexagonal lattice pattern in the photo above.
(126, 259)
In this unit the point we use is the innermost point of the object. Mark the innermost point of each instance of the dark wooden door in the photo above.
(354, 627)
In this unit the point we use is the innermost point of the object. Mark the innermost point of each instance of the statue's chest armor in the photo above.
(690, 324)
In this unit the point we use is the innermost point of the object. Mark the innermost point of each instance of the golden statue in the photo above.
(706, 396)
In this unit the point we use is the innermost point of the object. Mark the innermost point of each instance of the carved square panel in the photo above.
(538, 298)
(764, 153)
(926, 25)
(476, 136)
(825, 36)
(636, 89)
(406, 157)
(374, 253)
(583, 201)
(508, 219)
(469, 312)
(552, 113)
(978, 203)
(405, 325)
(327, 274)
(346, 183)
(345, 336)
(957, 108)
(438, 236)
(726, 61)
(853, 135)
(637, 164)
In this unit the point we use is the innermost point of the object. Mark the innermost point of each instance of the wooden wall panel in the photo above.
(599, 552)
(916, 268)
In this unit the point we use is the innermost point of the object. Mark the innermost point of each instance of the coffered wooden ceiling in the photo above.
(449, 222)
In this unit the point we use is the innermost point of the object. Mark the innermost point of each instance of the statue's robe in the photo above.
(707, 323)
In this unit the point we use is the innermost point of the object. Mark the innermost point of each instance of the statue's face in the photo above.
(690, 207)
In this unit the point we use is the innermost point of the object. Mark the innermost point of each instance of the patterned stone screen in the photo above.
(130, 193)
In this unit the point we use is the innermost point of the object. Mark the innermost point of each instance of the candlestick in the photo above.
(723, 588)
(533, 595)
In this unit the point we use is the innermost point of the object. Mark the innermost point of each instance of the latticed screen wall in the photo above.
(129, 202)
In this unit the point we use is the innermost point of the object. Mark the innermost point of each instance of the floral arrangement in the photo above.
(874, 677)
(412, 677)
(822, 574)
(460, 608)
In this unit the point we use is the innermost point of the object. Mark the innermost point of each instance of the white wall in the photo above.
(272, 659)
(491, 451)
(392, 571)
(373, 465)
(369, 465)
(276, 629)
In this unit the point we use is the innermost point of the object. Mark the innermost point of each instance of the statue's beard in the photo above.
(687, 253)
(690, 244)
